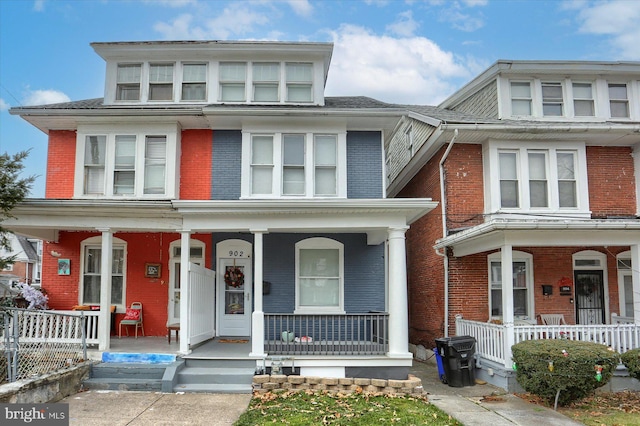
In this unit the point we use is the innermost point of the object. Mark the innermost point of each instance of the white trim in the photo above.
(517, 256)
(173, 260)
(96, 242)
(622, 273)
(320, 243)
(241, 251)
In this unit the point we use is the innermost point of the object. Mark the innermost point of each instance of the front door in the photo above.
(234, 296)
(589, 297)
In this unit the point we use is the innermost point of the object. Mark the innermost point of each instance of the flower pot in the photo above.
(288, 336)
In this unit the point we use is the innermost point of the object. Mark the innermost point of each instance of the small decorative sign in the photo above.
(64, 267)
(152, 270)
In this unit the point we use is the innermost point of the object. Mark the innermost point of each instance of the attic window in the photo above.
(552, 101)
(161, 82)
(128, 82)
(299, 82)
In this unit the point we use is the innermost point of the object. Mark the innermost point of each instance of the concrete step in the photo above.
(127, 371)
(213, 388)
(202, 375)
(123, 384)
(220, 363)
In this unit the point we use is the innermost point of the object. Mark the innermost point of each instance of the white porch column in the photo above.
(257, 317)
(635, 281)
(506, 260)
(398, 306)
(185, 320)
(106, 261)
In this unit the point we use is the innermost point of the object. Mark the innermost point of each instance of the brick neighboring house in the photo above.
(207, 159)
(536, 165)
(26, 267)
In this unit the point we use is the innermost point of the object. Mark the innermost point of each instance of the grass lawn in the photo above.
(313, 408)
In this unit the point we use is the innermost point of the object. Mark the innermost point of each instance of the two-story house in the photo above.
(218, 186)
(26, 254)
(537, 169)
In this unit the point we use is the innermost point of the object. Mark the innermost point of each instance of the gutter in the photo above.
(443, 207)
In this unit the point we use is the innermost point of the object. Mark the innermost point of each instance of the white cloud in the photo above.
(3, 105)
(235, 20)
(171, 3)
(404, 25)
(411, 70)
(45, 97)
(474, 3)
(38, 5)
(461, 21)
(618, 19)
(301, 7)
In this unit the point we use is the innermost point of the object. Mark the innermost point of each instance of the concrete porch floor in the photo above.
(215, 348)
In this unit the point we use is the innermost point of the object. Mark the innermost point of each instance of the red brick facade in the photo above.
(61, 160)
(195, 164)
(612, 185)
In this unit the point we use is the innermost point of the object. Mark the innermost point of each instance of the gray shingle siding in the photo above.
(227, 165)
(364, 165)
(483, 102)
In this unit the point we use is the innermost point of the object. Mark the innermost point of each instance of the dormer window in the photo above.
(194, 82)
(583, 100)
(232, 81)
(128, 82)
(619, 100)
(161, 82)
(266, 82)
(299, 82)
(552, 100)
(520, 98)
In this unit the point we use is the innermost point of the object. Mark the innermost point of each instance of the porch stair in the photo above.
(213, 376)
(126, 376)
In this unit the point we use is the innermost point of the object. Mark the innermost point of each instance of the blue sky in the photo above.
(397, 51)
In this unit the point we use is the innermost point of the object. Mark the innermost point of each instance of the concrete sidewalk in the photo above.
(119, 408)
(484, 404)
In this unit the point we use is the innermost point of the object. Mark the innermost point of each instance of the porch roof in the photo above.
(496, 233)
(45, 218)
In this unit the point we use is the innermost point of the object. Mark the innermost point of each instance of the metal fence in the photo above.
(37, 342)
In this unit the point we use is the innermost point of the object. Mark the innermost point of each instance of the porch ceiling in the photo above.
(535, 233)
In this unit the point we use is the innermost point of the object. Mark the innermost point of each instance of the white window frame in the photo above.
(297, 83)
(320, 243)
(182, 82)
(170, 132)
(628, 99)
(571, 106)
(277, 175)
(514, 98)
(622, 274)
(244, 81)
(517, 256)
(256, 83)
(172, 83)
(129, 83)
(96, 242)
(562, 100)
(492, 178)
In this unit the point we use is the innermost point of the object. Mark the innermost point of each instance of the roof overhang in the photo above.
(542, 233)
(45, 218)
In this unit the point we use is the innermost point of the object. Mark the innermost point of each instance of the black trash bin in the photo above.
(457, 356)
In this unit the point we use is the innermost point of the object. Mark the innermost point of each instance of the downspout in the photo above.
(443, 207)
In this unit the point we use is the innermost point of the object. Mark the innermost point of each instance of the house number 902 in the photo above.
(236, 253)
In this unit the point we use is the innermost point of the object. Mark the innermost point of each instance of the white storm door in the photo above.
(234, 299)
(173, 316)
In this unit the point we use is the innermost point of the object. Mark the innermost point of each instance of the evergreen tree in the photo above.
(12, 191)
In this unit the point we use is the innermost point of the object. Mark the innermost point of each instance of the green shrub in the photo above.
(631, 360)
(542, 368)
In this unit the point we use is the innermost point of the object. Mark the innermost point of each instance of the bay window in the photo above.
(194, 82)
(319, 276)
(522, 285)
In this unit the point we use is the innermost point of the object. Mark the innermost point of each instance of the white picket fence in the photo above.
(620, 337)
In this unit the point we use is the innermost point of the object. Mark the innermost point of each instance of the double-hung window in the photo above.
(128, 82)
(618, 100)
(94, 164)
(232, 81)
(299, 77)
(583, 105)
(521, 98)
(294, 165)
(552, 99)
(542, 179)
(625, 285)
(160, 82)
(194, 82)
(319, 276)
(92, 268)
(266, 81)
(522, 285)
(155, 164)
(124, 174)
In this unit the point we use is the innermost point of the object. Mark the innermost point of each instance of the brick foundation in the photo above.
(266, 383)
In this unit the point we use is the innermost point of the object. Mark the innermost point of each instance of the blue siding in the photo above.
(227, 165)
(364, 165)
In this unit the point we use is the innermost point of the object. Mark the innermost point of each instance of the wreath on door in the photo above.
(234, 276)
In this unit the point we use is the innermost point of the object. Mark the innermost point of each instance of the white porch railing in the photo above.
(489, 337)
(615, 319)
(56, 329)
